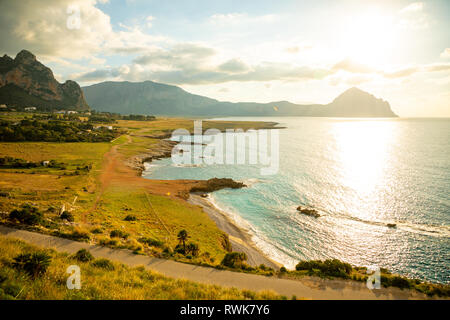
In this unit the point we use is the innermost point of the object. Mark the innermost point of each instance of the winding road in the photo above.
(307, 288)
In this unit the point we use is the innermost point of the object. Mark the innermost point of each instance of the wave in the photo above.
(418, 228)
(273, 250)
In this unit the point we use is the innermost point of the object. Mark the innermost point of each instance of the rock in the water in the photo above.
(392, 225)
(308, 212)
(216, 184)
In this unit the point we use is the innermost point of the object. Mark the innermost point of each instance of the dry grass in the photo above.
(122, 283)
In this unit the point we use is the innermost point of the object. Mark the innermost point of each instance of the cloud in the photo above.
(234, 66)
(408, 71)
(400, 73)
(414, 17)
(234, 19)
(352, 66)
(47, 29)
(413, 7)
(446, 53)
(184, 56)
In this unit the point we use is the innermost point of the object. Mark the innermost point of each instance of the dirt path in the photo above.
(310, 288)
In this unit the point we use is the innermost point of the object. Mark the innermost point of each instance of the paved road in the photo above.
(310, 288)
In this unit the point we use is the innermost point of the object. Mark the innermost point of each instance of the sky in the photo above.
(261, 51)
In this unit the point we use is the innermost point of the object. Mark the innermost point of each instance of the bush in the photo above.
(130, 217)
(283, 270)
(151, 242)
(28, 215)
(103, 264)
(179, 249)
(234, 260)
(400, 282)
(97, 231)
(333, 268)
(193, 249)
(66, 215)
(118, 234)
(83, 255)
(34, 264)
(79, 235)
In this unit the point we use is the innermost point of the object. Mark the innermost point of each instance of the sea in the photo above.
(360, 175)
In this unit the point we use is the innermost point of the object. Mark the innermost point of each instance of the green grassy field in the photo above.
(101, 206)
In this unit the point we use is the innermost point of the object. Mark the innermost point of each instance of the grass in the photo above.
(172, 215)
(98, 207)
(101, 279)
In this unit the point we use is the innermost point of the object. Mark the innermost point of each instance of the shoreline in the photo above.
(241, 240)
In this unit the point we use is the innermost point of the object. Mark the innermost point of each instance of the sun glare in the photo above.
(363, 151)
(369, 39)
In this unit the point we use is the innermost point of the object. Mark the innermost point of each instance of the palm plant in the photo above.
(182, 237)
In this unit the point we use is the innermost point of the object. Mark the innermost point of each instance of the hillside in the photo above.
(160, 99)
(25, 82)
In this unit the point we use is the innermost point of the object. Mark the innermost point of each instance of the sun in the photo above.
(369, 38)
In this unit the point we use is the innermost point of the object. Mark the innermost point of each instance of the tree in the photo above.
(182, 237)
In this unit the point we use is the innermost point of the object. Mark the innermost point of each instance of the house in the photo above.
(72, 112)
(3, 106)
(30, 108)
(45, 163)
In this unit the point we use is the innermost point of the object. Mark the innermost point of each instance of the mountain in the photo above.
(25, 82)
(160, 99)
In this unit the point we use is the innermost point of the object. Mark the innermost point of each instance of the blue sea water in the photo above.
(360, 174)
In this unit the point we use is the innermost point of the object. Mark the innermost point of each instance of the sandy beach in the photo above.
(240, 239)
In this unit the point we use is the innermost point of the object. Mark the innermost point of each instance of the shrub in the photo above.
(97, 231)
(179, 249)
(28, 215)
(151, 242)
(333, 268)
(234, 260)
(130, 217)
(83, 255)
(168, 251)
(283, 270)
(118, 234)
(79, 235)
(103, 264)
(193, 249)
(400, 282)
(134, 245)
(34, 264)
(66, 215)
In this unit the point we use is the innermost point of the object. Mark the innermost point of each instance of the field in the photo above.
(112, 196)
(106, 280)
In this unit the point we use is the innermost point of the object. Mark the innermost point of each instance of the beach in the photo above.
(240, 239)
